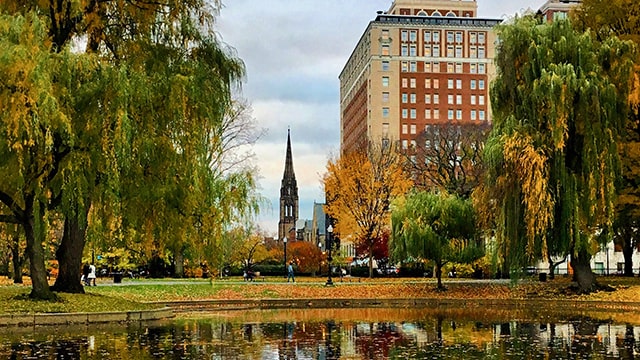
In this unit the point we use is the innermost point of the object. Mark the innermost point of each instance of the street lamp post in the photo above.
(328, 245)
(284, 241)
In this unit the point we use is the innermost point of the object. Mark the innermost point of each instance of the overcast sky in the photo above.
(293, 52)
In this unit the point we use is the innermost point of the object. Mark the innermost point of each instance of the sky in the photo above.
(293, 52)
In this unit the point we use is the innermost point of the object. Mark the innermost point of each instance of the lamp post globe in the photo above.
(328, 246)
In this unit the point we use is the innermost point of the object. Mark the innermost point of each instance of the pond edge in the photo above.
(32, 320)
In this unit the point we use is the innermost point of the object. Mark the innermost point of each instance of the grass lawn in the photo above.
(145, 294)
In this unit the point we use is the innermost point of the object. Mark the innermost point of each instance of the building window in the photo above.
(450, 51)
(427, 114)
(405, 144)
(405, 129)
(473, 99)
(481, 38)
(385, 34)
(458, 37)
(427, 50)
(450, 114)
(450, 84)
(482, 69)
(450, 36)
(413, 35)
(385, 66)
(481, 115)
(481, 53)
(412, 98)
(436, 83)
(404, 66)
(449, 99)
(413, 83)
(436, 114)
(473, 85)
(405, 98)
(385, 130)
(385, 97)
(459, 68)
(413, 129)
(385, 112)
(404, 50)
(412, 113)
(413, 66)
(405, 82)
(427, 36)
(450, 68)
(481, 84)
(405, 113)
(427, 66)
(427, 98)
(472, 37)
(404, 35)
(436, 67)
(473, 68)
(436, 51)
(412, 50)
(458, 99)
(458, 84)
(436, 35)
(473, 52)
(473, 115)
(436, 99)
(385, 49)
(458, 114)
(427, 83)
(481, 100)
(385, 81)
(458, 51)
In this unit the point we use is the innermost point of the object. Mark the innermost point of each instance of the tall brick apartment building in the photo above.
(422, 62)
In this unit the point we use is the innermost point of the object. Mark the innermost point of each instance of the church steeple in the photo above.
(288, 195)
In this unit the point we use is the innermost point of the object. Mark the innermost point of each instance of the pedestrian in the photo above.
(290, 272)
(85, 274)
(92, 275)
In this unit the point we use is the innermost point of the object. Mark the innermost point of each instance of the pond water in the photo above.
(341, 334)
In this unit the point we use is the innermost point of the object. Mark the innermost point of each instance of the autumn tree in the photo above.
(142, 108)
(435, 226)
(306, 255)
(621, 18)
(448, 157)
(559, 102)
(360, 187)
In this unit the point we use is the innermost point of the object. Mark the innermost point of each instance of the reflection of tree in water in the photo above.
(377, 341)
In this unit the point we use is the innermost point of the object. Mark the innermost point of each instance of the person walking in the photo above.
(290, 272)
(85, 274)
(92, 275)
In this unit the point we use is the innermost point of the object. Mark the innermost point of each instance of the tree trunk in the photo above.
(439, 275)
(69, 255)
(178, 262)
(582, 274)
(18, 260)
(627, 252)
(35, 252)
(370, 261)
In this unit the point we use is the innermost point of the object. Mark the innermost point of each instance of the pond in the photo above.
(472, 333)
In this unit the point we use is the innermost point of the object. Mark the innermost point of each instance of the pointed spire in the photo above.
(288, 163)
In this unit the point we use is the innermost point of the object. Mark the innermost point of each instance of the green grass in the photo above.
(15, 300)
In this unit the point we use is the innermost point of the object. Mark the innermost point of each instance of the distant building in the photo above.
(422, 62)
(557, 9)
(288, 196)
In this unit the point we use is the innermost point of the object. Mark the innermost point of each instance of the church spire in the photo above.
(288, 195)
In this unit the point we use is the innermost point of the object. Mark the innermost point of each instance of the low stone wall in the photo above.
(85, 318)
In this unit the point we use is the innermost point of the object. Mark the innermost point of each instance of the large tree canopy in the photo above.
(560, 105)
(129, 133)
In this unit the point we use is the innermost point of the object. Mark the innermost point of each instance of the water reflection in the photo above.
(334, 334)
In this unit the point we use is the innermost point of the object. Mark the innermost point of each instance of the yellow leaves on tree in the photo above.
(360, 187)
(530, 168)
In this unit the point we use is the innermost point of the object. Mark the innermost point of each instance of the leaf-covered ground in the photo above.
(136, 294)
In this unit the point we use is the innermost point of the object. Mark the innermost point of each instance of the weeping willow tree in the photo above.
(437, 227)
(559, 103)
(122, 133)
